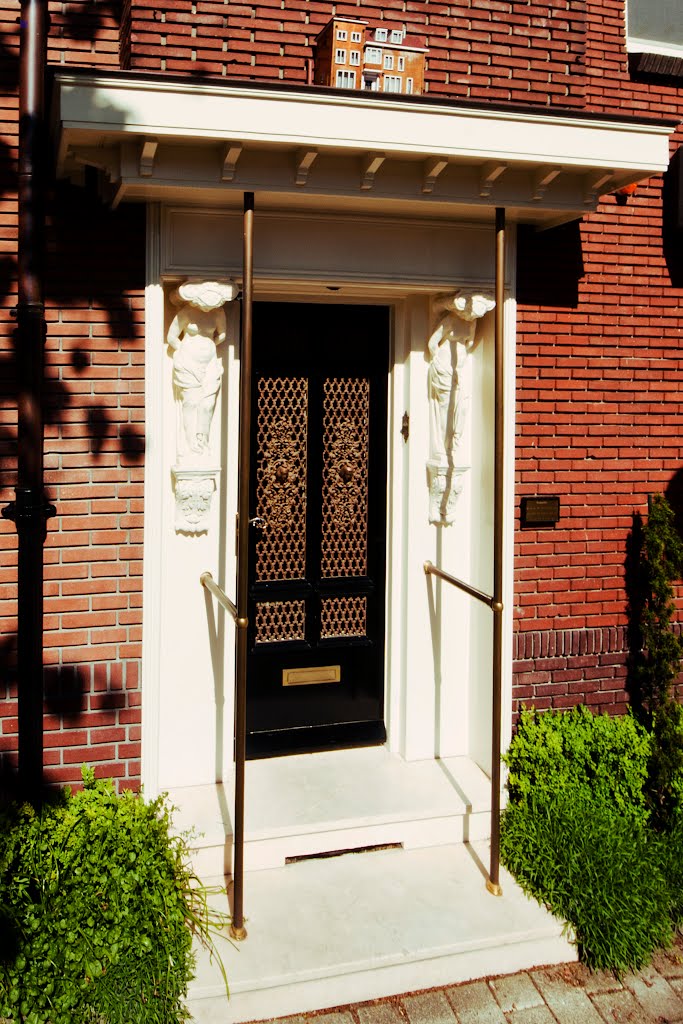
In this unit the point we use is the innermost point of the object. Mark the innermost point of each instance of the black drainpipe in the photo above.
(30, 510)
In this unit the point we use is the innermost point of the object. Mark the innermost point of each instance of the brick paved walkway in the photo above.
(568, 994)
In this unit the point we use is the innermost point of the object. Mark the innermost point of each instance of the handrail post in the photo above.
(237, 929)
(493, 881)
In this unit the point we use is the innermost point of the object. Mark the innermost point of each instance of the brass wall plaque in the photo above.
(309, 676)
(537, 512)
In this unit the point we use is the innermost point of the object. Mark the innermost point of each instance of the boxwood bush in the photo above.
(602, 755)
(98, 909)
(603, 873)
(578, 833)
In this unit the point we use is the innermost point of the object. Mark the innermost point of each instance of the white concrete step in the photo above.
(337, 800)
(330, 931)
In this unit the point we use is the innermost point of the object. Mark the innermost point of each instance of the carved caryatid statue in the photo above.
(197, 329)
(449, 347)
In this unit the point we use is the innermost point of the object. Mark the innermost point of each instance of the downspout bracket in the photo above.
(30, 509)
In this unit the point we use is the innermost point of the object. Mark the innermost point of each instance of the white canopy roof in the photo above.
(180, 140)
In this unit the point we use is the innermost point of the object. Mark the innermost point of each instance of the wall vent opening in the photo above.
(326, 854)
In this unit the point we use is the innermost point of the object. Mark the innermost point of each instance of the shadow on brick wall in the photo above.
(672, 218)
(94, 261)
(549, 266)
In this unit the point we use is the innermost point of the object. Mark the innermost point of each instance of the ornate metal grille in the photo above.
(346, 422)
(343, 616)
(282, 423)
(280, 620)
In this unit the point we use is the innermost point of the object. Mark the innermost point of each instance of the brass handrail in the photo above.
(433, 570)
(493, 881)
(237, 929)
(495, 603)
(239, 610)
(207, 580)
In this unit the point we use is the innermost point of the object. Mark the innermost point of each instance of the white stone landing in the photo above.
(338, 800)
(333, 930)
(330, 931)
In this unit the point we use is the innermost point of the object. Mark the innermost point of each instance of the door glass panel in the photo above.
(282, 426)
(343, 616)
(346, 422)
(280, 620)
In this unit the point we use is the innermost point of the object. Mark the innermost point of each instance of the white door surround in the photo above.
(438, 654)
(360, 198)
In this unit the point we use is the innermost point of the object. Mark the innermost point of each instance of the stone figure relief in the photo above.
(449, 348)
(196, 331)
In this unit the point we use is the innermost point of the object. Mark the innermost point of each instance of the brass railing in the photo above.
(207, 580)
(493, 881)
(239, 610)
(495, 603)
(237, 929)
(433, 570)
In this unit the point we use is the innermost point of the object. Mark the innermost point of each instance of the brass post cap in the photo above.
(494, 888)
(238, 934)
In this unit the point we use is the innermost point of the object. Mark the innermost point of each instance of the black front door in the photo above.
(317, 559)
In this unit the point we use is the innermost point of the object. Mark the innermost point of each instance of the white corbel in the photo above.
(369, 167)
(542, 179)
(231, 154)
(305, 159)
(148, 152)
(594, 185)
(431, 171)
(488, 176)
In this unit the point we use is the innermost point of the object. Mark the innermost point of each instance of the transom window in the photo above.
(354, 57)
(340, 57)
(396, 36)
(392, 83)
(401, 63)
(381, 35)
(373, 55)
(342, 35)
(389, 61)
(409, 86)
(355, 37)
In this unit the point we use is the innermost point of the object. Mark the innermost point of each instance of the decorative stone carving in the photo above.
(194, 489)
(449, 347)
(197, 329)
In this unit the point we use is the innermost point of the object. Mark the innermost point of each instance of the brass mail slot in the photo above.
(308, 676)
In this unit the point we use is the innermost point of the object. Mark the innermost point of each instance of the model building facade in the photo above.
(350, 54)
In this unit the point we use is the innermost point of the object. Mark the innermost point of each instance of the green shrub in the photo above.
(671, 844)
(604, 756)
(99, 909)
(604, 874)
(658, 659)
(665, 769)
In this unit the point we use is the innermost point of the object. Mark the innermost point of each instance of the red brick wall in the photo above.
(504, 50)
(600, 422)
(600, 372)
(94, 447)
(599, 337)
